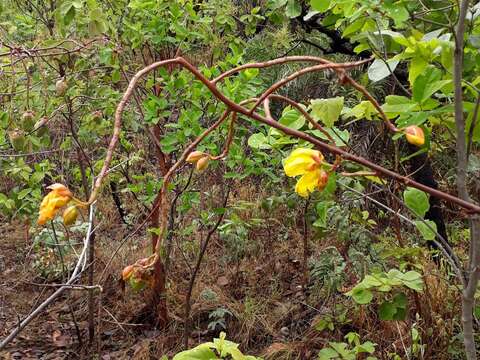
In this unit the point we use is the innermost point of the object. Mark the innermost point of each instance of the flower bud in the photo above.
(322, 180)
(194, 156)
(61, 87)
(18, 139)
(70, 215)
(127, 272)
(415, 135)
(28, 120)
(202, 164)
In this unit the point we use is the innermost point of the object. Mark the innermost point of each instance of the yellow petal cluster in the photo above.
(57, 198)
(306, 162)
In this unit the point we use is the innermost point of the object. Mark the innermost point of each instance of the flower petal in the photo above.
(307, 183)
(297, 165)
(302, 160)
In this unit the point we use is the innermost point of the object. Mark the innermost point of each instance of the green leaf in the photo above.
(322, 211)
(258, 141)
(413, 280)
(379, 69)
(198, 353)
(69, 16)
(354, 27)
(361, 295)
(366, 347)
(340, 137)
(427, 84)
(22, 194)
(327, 354)
(428, 231)
(363, 110)
(396, 36)
(397, 12)
(395, 309)
(396, 105)
(327, 110)
(417, 66)
(371, 281)
(416, 200)
(387, 311)
(400, 300)
(277, 4)
(320, 5)
(293, 9)
(292, 119)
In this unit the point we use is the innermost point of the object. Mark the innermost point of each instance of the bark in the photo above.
(158, 301)
(473, 271)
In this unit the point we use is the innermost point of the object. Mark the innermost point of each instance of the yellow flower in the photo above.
(306, 162)
(52, 202)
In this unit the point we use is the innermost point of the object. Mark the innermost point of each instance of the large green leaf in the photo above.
(396, 105)
(327, 354)
(201, 352)
(320, 5)
(397, 11)
(416, 200)
(293, 9)
(276, 4)
(361, 295)
(381, 69)
(292, 119)
(258, 141)
(427, 228)
(427, 84)
(327, 110)
(417, 66)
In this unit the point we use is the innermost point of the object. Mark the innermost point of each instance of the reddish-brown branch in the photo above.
(247, 112)
(270, 63)
(360, 88)
(301, 72)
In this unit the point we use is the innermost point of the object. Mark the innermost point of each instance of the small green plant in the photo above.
(347, 351)
(218, 319)
(394, 306)
(218, 349)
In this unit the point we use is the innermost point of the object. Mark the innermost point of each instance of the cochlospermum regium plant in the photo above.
(307, 163)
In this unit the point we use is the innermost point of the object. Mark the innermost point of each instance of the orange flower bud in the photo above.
(202, 164)
(415, 135)
(127, 272)
(194, 156)
(322, 180)
(70, 215)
